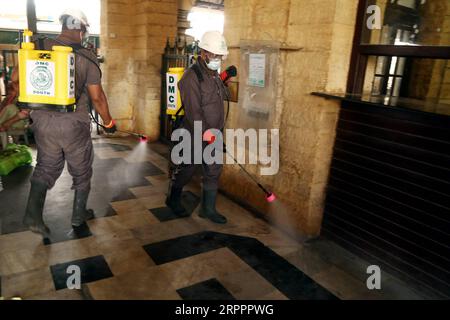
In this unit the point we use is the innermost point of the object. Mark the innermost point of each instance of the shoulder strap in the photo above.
(41, 44)
(77, 50)
(197, 71)
(195, 67)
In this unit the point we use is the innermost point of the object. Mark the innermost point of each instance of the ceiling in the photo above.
(212, 4)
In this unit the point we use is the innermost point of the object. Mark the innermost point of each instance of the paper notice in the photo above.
(257, 72)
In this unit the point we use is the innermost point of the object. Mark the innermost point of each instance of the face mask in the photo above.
(214, 64)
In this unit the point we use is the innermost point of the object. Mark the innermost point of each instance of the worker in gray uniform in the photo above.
(202, 93)
(65, 136)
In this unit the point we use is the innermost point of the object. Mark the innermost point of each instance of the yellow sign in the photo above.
(173, 95)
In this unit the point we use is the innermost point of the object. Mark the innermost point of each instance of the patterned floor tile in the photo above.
(27, 284)
(274, 295)
(180, 248)
(105, 225)
(23, 260)
(201, 267)
(58, 209)
(147, 284)
(119, 240)
(206, 290)
(281, 274)
(134, 249)
(111, 154)
(159, 179)
(247, 285)
(19, 240)
(64, 294)
(308, 261)
(148, 191)
(69, 250)
(137, 219)
(128, 206)
(92, 269)
(130, 260)
(154, 201)
(345, 286)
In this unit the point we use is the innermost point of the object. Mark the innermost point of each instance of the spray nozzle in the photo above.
(143, 138)
(271, 197)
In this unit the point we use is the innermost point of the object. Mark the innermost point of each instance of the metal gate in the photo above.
(175, 56)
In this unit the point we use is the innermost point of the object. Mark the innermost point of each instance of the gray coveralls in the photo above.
(64, 137)
(203, 101)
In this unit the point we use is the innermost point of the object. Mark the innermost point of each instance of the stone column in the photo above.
(133, 37)
(184, 7)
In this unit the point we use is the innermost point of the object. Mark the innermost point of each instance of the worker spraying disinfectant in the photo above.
(202, 93)
(57, 79)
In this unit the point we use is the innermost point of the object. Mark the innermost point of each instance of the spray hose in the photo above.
(140, 136)
(270, 196)
(75, 49)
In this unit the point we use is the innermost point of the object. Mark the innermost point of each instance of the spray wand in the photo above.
(141, 137)
(270, 196)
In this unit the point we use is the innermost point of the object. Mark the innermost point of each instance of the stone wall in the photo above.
(324, 30)
(133, 37)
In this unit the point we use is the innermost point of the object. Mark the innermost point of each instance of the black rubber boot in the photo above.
(208, 209)
(35, 207)
(173, 201)
(80, 214)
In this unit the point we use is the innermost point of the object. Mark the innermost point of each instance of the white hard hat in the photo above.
(214, 42)
(74, 13)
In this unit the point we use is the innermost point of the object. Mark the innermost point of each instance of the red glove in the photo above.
(209, 137)
(226, 75)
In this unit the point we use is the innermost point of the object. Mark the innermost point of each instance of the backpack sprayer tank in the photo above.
(46, 78)
(174, 104)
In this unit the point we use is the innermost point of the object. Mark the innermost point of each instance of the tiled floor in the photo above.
(136, 248)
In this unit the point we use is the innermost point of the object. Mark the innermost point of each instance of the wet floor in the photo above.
(136, 248)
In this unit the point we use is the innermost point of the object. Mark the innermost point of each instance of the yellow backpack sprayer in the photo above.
(46, 78)
(175, 109)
